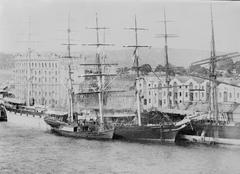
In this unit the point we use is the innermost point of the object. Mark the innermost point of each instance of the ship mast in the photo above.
(213, 75)
(29, 62)
(99, 65)
(136, 66)
(69, 56)
(213, 102)
(166, 36)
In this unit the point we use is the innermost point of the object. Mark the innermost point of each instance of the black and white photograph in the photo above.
(119, 87)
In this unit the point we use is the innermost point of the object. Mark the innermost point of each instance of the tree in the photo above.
(226, 64)
(159, 68)
(180, 70)
(145, 69)
(198, 69)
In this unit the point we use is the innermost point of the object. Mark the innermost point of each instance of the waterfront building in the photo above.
(43, 78)
(183, 91)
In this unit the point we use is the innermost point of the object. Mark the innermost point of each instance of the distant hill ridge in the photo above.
(155, 56)
(152, 56)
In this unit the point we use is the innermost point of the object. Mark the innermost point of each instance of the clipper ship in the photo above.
(163, 131)
(209, 127)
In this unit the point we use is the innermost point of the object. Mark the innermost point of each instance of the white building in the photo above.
(44, 78)
(184, 90)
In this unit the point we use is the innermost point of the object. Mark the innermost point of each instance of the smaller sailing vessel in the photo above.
(67, 125)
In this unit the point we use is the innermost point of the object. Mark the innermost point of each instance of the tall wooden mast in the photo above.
(213, 75)
(69, 56)
(29, 62)
(166, 36)
(136, 66)
(98, 64)
(212, 61)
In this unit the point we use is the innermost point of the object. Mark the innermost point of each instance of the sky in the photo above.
(191, 23)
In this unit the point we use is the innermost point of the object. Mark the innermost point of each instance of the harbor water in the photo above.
(25, 150)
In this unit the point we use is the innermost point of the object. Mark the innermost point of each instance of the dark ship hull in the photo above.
(210, 133)
(147, 133)
(103, 135)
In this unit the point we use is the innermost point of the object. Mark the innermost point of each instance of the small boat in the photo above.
(56, 118)
(76, 131)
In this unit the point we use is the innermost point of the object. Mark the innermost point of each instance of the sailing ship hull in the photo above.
(211, 134)
(104, 135)
(147, 133)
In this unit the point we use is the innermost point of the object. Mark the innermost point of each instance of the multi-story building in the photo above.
(43, 78)
(184, 90)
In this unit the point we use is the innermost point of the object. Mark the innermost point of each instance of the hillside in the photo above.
(152, 56)
(155, 56)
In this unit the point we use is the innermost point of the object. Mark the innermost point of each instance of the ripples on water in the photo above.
(27, 150)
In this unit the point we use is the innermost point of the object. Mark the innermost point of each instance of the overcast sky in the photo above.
(49, 20)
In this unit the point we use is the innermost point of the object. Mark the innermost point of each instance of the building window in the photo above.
(145, 101)
(149, 92)
(202, 94)
(149, 101)
(230, 95)
(237, 95)
(196, 95)
(220, 95)
(180, 94)
(180, 101)
(164, 101)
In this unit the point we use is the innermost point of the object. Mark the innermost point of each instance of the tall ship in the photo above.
(213, 126)
(70, 126)
(163, 129)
